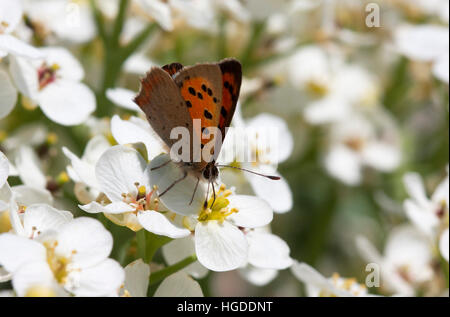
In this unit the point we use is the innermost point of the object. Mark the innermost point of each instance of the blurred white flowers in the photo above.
(54, 83)
(72, 259)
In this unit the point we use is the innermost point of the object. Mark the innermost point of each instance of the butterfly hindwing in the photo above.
(172, 69)
(160, 99)
(231, 80)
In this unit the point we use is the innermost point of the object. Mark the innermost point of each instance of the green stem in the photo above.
(160, 275)
(137, 41)
(222, 39)
(120, 20)
(153, 243)
(257, 31)
(100, 23)
(142, 244)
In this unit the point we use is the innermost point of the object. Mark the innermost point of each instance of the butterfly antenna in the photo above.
(275, 178)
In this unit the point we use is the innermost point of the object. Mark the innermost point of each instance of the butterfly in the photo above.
(175, 96)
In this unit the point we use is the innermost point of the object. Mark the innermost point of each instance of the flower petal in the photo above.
(277, 193)
(8, 95)
(136, 130)
(220, 246)
(137, 276)
(4, 169)
(268, 251)
(343, 164)
(179, 285)
(85, 241)
(258, 276)
(252, 211)
(443, 244)
(179, 249)
(159, 224)
(117, 171)
(35, 275)
(16, 251)
(29, 168)
(103, 279)
(40, 218)
(117, 207)
(69, 68)
(123, 98)
(16, 47)
(67, 102)
(26, 195)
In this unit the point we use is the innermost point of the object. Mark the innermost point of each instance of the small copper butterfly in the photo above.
(175, 96)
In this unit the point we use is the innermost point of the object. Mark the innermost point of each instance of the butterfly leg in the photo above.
(162, 165)
(174, 183)
(195, 190)
(214, 193)
(205, 204)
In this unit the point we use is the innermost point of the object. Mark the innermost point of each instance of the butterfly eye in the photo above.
(206, 173)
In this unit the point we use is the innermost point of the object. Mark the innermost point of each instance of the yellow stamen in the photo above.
(40, 291)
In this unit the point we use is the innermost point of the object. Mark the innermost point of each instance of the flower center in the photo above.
(3, 26)
(316, 88)
(47, 74)
(142, 201)
(218, 209)
(58, 264)
(40, 291)
(345, 284)
(354, 143)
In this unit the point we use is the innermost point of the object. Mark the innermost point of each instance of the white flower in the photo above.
(122, 175)
(179, 249)
(443, 244)
(425, 43)
(333, 88)
(33, 134)
(55, 84)
(335, 286)
(428, 215)
(8, 94)
(137, 275)
(135, 130)
(11, 12)
(197, 14)
(37, 219)
(123, 98)
(70, 21)
(179, 284)
(406, 263)
(267, 253)
(4, 169)
(356, 143)
(29, 168)
(268, 153)
(82, 170)
(159, 11)
(73, 260)
(220, 244)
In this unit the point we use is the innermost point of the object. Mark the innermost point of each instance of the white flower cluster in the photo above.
(92, 205)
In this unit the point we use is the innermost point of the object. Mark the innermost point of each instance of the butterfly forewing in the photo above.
(161, 101)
